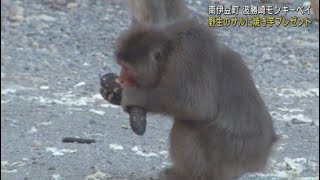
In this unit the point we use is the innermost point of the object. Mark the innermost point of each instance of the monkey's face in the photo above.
(127, 77)
(142, 55)
(145, 72)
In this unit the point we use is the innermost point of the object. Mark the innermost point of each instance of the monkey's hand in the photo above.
(133, 97)
(137, 112)
(111, 91)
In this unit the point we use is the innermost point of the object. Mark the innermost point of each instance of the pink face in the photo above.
(126, 76)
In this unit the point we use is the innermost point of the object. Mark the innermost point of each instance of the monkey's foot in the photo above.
(171, 174)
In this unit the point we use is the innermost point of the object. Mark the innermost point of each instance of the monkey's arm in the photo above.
(133, 96)
(193, 107)
(148, 99)
(167, 102)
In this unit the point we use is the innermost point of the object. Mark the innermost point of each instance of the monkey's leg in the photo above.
(196, 154)
(172, 174)
(186, 153)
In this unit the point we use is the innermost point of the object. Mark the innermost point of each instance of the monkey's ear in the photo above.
(156, 54)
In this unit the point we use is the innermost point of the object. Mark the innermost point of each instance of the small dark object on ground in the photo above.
(78, 140)
(111, 91)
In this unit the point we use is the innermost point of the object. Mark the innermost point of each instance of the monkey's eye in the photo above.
(156, 54)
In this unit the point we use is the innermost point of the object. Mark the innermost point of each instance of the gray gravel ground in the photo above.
(51, 56)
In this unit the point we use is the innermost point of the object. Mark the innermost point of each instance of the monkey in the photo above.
(315, 8)
(155, 11)
(222, 128)
(151, 12)
(110, 90)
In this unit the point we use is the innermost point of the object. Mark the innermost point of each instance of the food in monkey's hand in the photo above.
(110, 88)
(138, 120)
(111, 91)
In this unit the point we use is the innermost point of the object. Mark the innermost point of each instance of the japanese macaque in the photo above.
(155, 11)
(150, 12)
(222, 127)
